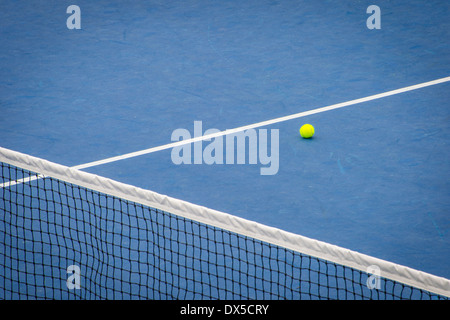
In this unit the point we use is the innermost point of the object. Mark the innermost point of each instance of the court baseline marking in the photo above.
(262, 124)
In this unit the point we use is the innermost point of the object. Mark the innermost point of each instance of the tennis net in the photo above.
(68, 234)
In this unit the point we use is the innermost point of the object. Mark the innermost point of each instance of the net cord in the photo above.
(295, 242)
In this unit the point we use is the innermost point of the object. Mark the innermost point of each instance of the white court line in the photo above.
(262, 124)
(250, 126)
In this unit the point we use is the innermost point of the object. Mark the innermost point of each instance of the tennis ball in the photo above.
(307, 131)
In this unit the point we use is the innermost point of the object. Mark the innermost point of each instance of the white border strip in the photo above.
(263, 123)
(229, 222)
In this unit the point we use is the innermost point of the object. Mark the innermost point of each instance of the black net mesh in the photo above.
(63, 241)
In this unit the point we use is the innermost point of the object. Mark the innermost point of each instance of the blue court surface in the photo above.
(373, 179)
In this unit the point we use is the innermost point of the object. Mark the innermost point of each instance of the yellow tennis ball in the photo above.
(307, 131)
